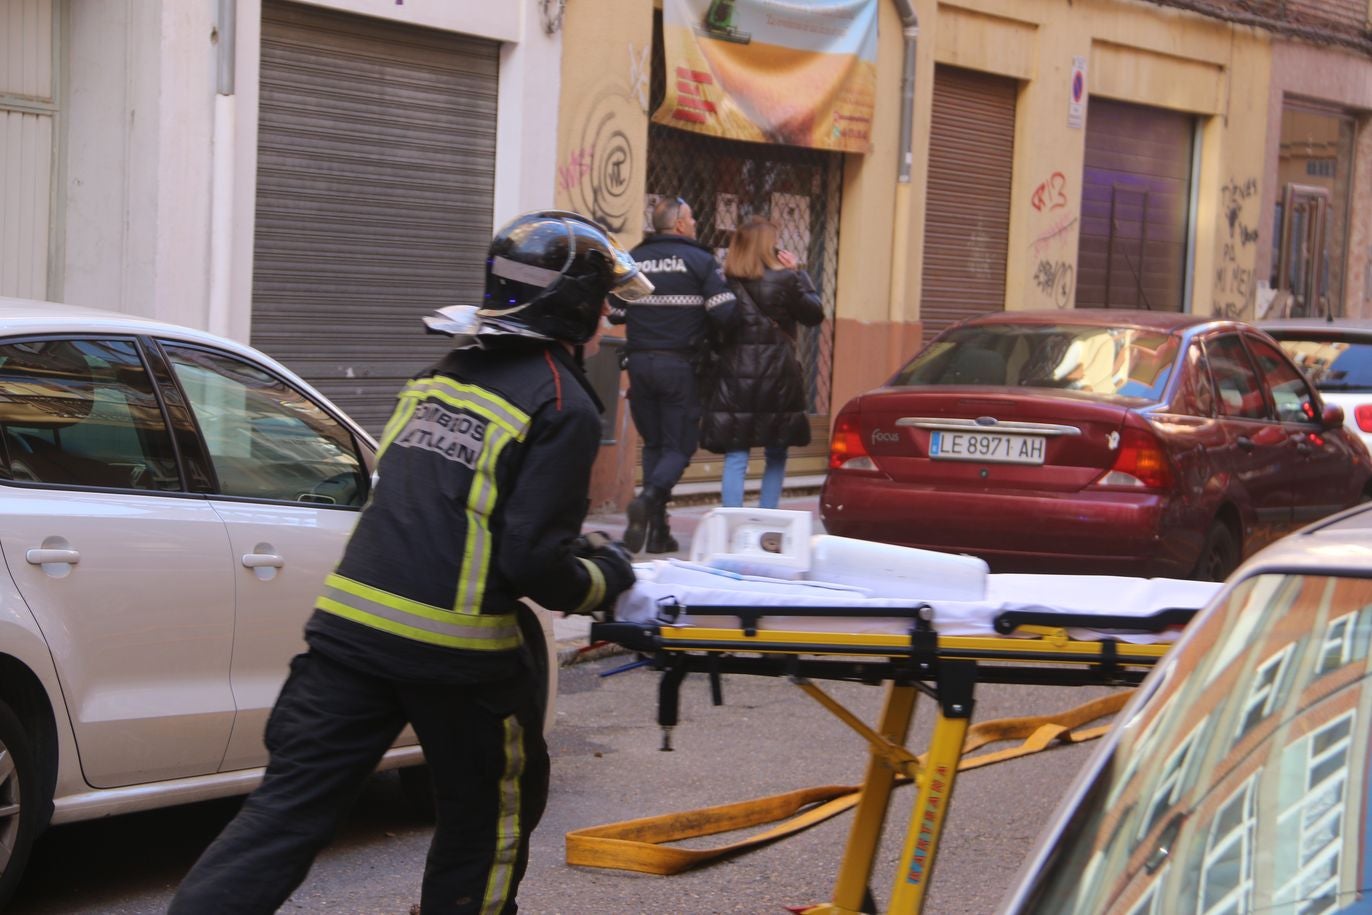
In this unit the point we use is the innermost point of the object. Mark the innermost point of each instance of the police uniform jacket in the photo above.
(481, 488)
(758, 394)
(689, 295)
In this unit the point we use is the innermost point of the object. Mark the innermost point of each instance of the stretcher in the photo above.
(684, 619)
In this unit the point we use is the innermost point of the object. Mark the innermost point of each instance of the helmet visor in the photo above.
(626, 279)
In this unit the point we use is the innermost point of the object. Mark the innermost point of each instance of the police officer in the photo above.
(480, 496)
(665, 336)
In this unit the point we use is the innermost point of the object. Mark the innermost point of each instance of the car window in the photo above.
(1237, 384)
(266, 439)
(1291, 394)
(1195, 391)
(1237, 786)
(1332, 364)
(83, 412)
(1099, 360)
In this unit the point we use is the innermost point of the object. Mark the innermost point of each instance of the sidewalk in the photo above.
(573, 632)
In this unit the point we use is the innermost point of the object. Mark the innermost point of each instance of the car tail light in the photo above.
(846, 450)
(1140, 462)
(1362, 415)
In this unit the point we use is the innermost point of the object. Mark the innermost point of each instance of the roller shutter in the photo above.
(375, 181)
(967, 209)
(1136, 194)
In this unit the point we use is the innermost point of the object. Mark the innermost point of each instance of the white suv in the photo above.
(171, 502)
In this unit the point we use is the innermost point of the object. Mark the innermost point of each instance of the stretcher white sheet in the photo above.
(697, 585)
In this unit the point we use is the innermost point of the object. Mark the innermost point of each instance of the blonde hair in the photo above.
(753, 249)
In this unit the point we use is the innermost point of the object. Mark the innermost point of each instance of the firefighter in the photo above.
(480, 494)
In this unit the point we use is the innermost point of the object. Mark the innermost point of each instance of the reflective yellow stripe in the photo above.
(481, 499)
(509, 829)
(596, 592)
(470, 397)
(414, 620)
(403, 411)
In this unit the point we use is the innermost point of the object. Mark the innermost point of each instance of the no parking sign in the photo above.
(1076, 108)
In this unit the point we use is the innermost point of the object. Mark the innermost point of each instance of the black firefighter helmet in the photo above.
(551, 270)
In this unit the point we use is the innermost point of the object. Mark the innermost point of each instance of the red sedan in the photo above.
(1093, 440)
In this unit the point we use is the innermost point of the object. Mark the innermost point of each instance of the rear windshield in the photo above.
(1100, 360)
(1332, 365)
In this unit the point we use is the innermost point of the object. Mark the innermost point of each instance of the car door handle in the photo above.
(1245, 443)
(1303, 447)
(43, 557)
(258, 560)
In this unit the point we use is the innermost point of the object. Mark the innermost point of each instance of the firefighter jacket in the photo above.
(689, 295)
(758, 394)
(481, 487)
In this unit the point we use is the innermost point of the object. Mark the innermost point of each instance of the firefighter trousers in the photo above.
(327, 732)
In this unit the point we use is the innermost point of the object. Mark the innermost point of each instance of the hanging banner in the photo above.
(793, 72)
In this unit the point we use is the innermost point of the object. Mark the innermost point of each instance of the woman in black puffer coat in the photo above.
(758, 395)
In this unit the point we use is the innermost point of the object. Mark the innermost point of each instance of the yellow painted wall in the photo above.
(1135, 52)
(602, 156)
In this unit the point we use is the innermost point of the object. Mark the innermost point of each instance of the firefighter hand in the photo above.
(615, 564)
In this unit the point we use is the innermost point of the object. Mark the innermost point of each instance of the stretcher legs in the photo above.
(855, 873)
(889, 760)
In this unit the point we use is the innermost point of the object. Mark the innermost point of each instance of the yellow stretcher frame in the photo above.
(945, 667)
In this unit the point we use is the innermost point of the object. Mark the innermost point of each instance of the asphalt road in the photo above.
(768, 737)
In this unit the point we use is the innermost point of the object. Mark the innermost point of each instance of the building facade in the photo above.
(310, 177)
(1183, 155)
(314, 176)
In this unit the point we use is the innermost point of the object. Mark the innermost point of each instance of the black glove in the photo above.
(615, 563)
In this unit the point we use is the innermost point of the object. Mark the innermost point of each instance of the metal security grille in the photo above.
(375, 187)
(1136, 189)
(726, 181)
(967, 221)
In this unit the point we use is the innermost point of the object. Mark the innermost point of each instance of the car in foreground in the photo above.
(170, 504)
(1092, 441)
(1239, 776)
(1337, 358)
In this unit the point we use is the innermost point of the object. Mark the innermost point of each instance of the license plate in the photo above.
(993, 447)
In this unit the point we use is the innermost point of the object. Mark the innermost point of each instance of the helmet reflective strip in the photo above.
(596, 592)
(528, 274)
(481, 499)
(415, 620)
(509, 826)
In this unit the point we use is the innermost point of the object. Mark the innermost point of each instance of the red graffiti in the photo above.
(1050, 194)
(578, 166)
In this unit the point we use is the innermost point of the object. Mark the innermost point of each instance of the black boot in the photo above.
(642, 509)
(660, 539)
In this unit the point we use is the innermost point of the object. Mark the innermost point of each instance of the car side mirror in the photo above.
(1332, 417)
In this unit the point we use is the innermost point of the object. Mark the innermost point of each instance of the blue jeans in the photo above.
(736, 468)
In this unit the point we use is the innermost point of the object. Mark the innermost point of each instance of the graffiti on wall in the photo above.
(1050, 195)
(601, 173)
(1234, 280)
(1052, 258)
(1055, 279)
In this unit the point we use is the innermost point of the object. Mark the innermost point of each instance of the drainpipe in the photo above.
(222, 170)
(900, 233)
